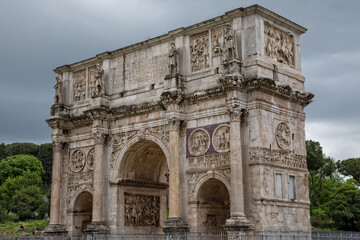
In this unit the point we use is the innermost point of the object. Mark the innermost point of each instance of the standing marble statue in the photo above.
(99, 82)
(58, 91)
(229, 42)
(173, 56)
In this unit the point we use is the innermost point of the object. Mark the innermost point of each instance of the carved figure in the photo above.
(80, 86)
(58, 91)
(142, 210)
(173, 56)
(77, 161)
(99, 81)
(221, 138)
(199, 52)
(229, 42)
(199, 142)
(278, 45)
(283, 135)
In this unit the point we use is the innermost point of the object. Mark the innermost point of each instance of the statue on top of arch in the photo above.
(58, 91)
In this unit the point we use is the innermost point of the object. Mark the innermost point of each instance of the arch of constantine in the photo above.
(196, 130)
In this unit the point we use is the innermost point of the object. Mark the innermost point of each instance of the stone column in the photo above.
(175, 227)
(237, 220)
(55, 227)
(174, 171)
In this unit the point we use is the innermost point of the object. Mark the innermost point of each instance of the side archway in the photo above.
(82, 211)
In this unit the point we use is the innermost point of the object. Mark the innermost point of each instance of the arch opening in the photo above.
(143, 188)
(82, 212)
(213, 206)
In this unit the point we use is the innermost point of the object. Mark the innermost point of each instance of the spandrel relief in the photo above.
(199, 142)
(279, 45)
(80, 86)
(199, 51)
(142, 210)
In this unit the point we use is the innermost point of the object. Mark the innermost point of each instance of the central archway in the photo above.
(214, 205)
(142, 188)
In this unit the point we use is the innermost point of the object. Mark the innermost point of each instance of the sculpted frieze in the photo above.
(142, 210)
(278, 45)
(199, 142)
(284, 158)
(199, 51)
(96, 81)
(221, 138)
(83, 176)
(283, 136)
(80, 85)
(209, 161)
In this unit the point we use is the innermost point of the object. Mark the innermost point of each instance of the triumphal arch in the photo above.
(199, 129)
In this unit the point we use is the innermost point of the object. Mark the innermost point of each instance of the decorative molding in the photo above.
(139, 183)
(283, 158)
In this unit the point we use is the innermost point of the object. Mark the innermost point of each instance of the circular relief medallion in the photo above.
(221, 138)
(199, 142)
(283, 135)
(90, 159)
(77, 161)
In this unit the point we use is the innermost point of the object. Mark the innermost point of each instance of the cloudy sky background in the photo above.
(39, 35)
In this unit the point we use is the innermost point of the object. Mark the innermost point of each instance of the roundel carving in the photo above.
(221, 138)
(199, 142)
(90, 159)
(283, 136)
(77, 161)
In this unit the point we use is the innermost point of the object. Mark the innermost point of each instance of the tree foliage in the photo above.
(17, 165)
(350, 167)
(45, 155)
(26, 202)
(22, 148)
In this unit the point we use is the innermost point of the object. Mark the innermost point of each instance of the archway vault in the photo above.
(138, 142)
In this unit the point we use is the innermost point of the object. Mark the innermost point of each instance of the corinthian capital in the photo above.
(174, 124)
(57, 146)
(99, 136)
(235, 114)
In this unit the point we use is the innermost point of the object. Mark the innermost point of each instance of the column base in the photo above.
(236, 225)
(95, 228)
(176, 228)
(55, 230)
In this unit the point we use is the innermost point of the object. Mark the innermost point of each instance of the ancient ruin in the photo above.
(196, 130)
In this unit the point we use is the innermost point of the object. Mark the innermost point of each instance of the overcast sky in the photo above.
(39, 35)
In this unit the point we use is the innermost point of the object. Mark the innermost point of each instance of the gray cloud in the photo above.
(37, 36)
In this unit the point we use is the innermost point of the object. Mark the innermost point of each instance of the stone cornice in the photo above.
(227, 17)
(139, 183)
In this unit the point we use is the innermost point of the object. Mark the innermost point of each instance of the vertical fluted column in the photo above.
(174, 172)
(56, 183)
(97, 210)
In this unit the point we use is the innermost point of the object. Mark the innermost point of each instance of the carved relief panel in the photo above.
(142, 210)
(221, 138)
(199, 142)
(77, 161)
(283, 136)
(77, 170)
(278, 45)
(199, 51)
(80, 86)
(90, 159)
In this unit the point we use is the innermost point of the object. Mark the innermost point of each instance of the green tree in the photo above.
(319, 167)
(45, 155)
(19, 164)
(22, 148)
(11, 185)
(26, 202)
(345, 206)
(350, 167)
(3, 151)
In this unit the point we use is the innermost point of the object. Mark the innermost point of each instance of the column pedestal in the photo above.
(176, 228)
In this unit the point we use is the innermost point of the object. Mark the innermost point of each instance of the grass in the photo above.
(11, 229)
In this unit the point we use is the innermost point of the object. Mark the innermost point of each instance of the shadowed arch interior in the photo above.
(144, 160)
(82, 212)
